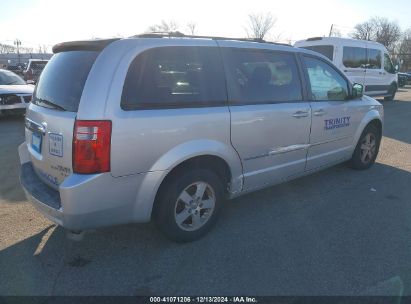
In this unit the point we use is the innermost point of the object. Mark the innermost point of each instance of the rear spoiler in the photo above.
(85, 45)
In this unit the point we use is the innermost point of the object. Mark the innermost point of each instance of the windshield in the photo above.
(10, 78)
(388, 66)
(62, 80)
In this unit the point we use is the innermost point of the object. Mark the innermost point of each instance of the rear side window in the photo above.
(261, 76)
(374, 59)
(354, 57)
(62, 80)
(175, 77)
(326, 50)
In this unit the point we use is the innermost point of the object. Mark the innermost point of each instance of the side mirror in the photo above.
(396, 68)
(357, 91)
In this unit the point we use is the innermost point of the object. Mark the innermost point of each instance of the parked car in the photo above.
(34, 69)
(167, 128)
(408, 80)
(364, 62)
(15, 94)
(402, 79)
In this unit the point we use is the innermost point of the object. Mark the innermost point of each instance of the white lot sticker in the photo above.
(56, 144)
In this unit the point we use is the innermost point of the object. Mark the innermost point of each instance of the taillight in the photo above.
(91, 146)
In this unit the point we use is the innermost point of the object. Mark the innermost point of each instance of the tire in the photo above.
(391, 91)
(180, 213)
(367, 148)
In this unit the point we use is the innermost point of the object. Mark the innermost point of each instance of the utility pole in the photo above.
(17, 43)
(331, 30)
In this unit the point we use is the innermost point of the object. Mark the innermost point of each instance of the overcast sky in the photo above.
(37, 22)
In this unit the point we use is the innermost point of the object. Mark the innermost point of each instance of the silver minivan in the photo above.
(166, 128)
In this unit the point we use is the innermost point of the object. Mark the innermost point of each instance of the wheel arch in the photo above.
(220, 157)
(395, 83)
(211, 162)
(376, 122)
(372, 117)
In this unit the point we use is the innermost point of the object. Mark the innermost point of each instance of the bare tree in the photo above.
(26, 50)
(5, 49)
(11, 49)
(404, 50)
(278, 37)
(164, 26)
(191, 27)
(379, 29)
(335, 33)
(42, 49)
(364, 31)
(388, 34)
(259, 24)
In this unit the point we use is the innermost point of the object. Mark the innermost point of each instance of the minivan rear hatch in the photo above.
(50, 119)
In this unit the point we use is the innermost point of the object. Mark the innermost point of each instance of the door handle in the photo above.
(300, 114)
(320, 112)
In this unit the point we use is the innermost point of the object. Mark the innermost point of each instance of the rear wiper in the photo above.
(50, 104)
(13, 82)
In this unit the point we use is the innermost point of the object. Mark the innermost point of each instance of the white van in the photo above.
(364, 62)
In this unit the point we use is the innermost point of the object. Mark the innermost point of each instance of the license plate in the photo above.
(36, 142)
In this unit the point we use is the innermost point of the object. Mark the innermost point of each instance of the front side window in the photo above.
(261, 76)
(354, 57)
(170, 77)
(374, 59)
(326, 83)
(388, 66)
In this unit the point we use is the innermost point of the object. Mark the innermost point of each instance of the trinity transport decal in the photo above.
(335, 123)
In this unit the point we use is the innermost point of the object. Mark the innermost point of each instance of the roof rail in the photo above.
(181, 35)
(159, 35)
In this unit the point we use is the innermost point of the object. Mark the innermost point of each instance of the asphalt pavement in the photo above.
(337, 232)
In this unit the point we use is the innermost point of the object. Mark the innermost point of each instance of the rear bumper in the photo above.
(44, 198)
(88, 201)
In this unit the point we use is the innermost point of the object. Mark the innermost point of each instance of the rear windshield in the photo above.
(326, 50)
(62, 80)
